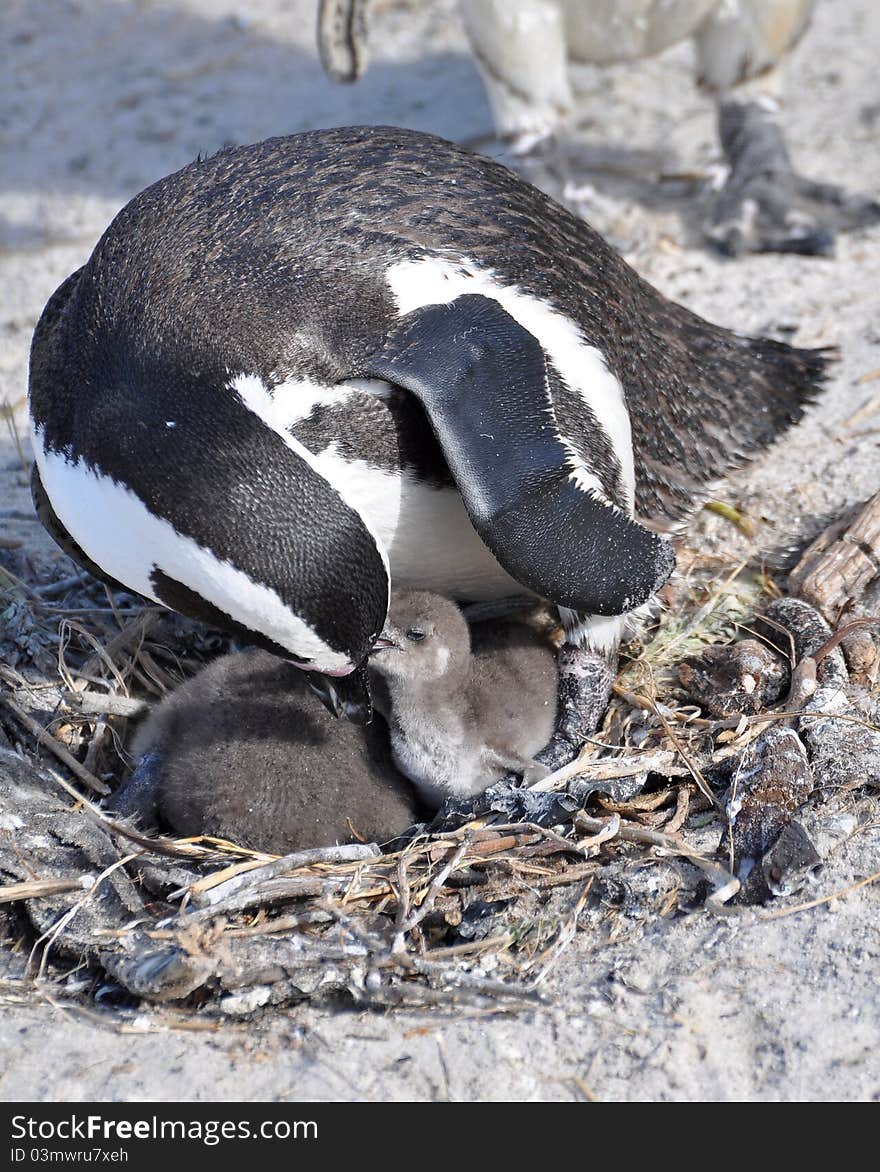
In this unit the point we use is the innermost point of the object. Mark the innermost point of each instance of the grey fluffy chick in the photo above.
(243, 751)
(462, 714)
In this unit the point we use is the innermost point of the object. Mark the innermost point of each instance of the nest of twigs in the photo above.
(477, 907)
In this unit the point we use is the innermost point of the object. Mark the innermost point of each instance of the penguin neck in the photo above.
(439, 701)
(431, 730)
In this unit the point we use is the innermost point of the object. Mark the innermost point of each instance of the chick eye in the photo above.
(415, 636)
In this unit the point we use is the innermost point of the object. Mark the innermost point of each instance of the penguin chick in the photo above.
(462, 715)
(243, 751)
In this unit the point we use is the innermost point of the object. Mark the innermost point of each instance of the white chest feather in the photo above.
(129, 542)
(438, 767)
(426, 532)
(423, 531)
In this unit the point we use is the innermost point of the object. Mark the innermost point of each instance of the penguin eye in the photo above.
(414, 635)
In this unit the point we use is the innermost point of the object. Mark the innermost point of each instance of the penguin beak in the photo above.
(323, 687)
(387, 639)
(347, 696)
(381, 644)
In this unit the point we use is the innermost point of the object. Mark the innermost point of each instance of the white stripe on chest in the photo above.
(434, 280)
(426, 532)
(116, 529)
(281, 411)
(423, 533)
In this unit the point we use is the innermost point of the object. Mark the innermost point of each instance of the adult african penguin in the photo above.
(297, 371)
(523, 50)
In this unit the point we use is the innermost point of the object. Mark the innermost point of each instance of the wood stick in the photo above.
(39, 889)
(54, 589)
(104, 703)
(726, 885)
(136, 629)
(403, 895)
(608, 769)
(433, 891)
(45, 738)
(356, 852)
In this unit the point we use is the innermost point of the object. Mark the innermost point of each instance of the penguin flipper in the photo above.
(137, 797)
(483, 380)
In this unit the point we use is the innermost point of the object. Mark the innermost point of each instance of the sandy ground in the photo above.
(101, 97)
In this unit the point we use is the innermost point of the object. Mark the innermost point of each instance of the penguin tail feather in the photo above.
(796, 375)
(711, 402)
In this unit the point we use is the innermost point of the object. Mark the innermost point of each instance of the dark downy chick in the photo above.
(243, 751)
(462, 715)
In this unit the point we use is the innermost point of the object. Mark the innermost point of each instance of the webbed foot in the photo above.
(585, 679)
(764, 204)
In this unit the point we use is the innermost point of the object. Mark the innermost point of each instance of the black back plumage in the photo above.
(271, 262)
(266, 259)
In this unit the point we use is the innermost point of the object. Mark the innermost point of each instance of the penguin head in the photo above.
(326, 633)
(180, 483)
(425, 638)
(291, 559)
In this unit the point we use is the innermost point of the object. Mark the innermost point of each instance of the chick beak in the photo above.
(381, 644)
(385, 640)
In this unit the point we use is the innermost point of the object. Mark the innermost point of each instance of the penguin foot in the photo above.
(764, 204)
(510, 800)
(585, 679)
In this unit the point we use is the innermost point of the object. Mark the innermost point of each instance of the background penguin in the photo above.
(523, 49)
(244, 752)
(461, 720)
(297, 371)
